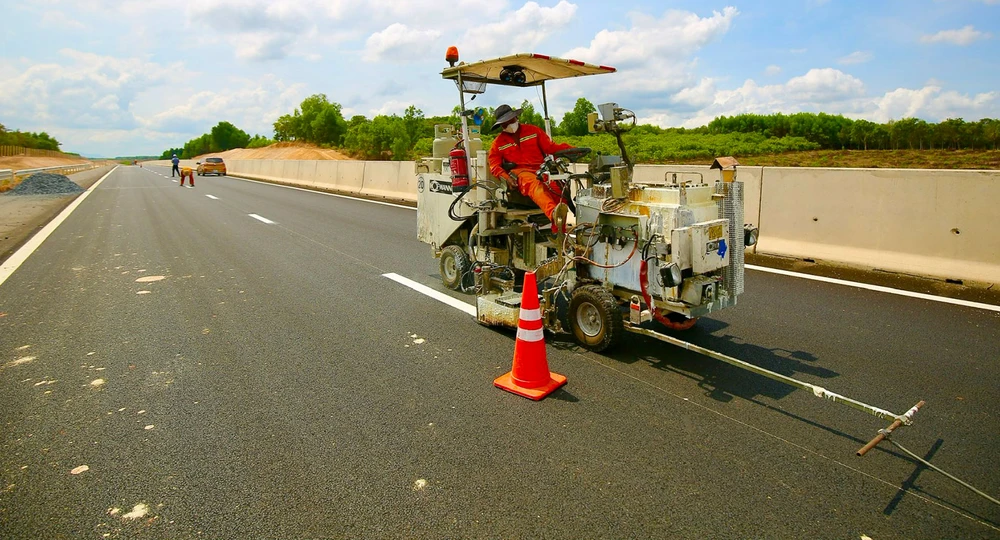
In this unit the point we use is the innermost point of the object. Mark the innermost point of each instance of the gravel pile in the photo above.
(46, 184)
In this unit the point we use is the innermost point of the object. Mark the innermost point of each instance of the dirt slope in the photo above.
(26, 162)
(282, 150)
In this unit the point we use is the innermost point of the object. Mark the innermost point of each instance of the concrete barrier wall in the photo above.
(930, 223)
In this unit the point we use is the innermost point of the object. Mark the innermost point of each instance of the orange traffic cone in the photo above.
(530, 376)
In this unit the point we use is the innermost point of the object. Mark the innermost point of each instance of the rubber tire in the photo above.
(454, 265)
(597, 307)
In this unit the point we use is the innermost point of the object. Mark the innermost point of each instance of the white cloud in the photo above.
(654, 56)
(823, 90)
(930, 102)
(59, 20)
(696, 97)
(251, 105)
(83, 90)
(963, 36)
(856, 57)
(772, 70)
(400, 43)
(677, 35)
(518, 31)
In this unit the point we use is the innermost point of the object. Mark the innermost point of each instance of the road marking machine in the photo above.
(638, 256)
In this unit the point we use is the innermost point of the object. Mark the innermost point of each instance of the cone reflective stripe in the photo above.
(530, 376)
(533, 319)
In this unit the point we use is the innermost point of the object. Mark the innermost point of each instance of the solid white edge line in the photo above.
(877, 288)
(322, 192)
(440, 297)
(261, 219)
(11, 264)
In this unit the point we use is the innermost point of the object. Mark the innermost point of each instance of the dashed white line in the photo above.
(261, 219)
(213, 197)
(877, 288)
(440, 297)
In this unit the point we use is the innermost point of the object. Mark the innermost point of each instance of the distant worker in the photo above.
(516, 155)
(188, 172)
(177, 162)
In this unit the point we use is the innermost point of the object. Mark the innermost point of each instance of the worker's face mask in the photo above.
(512, 127)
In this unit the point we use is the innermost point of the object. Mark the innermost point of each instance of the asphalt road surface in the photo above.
(229, 361)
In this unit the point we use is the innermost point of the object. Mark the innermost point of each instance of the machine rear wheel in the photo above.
(454, 266)
(594, 317)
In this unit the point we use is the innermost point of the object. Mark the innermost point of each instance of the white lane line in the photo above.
(213, 197)
(878, 288)
(440, 297)
(325, 193)
(11, 264)
(261, 219)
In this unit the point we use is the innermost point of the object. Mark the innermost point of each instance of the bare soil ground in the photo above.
(26, 162)
(282, 150)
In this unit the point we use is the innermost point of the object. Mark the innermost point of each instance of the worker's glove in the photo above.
(512, 181)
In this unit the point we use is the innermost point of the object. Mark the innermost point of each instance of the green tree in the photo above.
(226, 136)
(575, 121)
(530, 116)
(285, 128)
(862, 132)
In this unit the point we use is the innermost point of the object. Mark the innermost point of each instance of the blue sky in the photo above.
(110, 78)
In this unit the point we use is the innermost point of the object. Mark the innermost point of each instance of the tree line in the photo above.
(40, 141)
(832, 132)
(224, 136)
(408, 136)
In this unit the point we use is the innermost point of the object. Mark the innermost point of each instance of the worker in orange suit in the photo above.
(189, 173)
(525, 146)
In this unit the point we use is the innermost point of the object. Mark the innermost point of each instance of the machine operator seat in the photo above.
(515, 201)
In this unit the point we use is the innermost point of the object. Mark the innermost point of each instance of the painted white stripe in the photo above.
(440, 297)
(15, 260)
(261, 219)
(213, 197)
(323, 193)
(530, 335)
(531, 314)
(878, 288)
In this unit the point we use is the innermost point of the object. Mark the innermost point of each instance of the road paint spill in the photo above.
(97, 383)
(419, 484)
(80, 469)
(138, 511)
(18, 362)
(148, 279)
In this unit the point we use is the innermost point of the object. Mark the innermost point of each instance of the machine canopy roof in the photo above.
(537, 69)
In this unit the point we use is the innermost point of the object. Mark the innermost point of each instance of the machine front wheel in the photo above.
(455, 264)
(594, 317)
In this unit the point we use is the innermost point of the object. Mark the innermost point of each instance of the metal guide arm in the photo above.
(817, 391)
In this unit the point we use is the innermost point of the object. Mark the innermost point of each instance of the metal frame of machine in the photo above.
(674, 250)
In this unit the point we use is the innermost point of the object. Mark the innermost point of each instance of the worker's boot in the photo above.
(559, 214)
